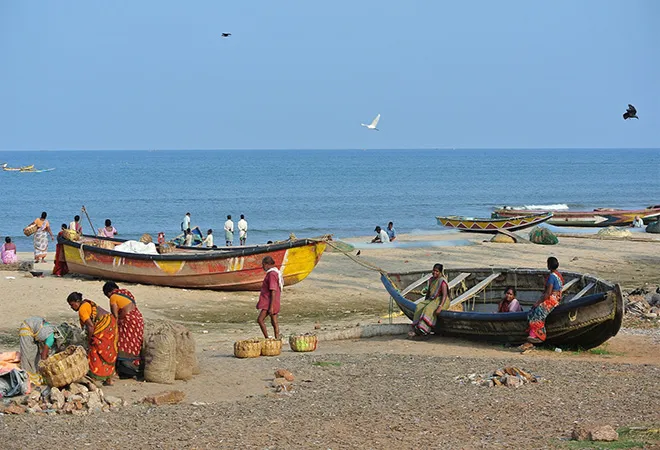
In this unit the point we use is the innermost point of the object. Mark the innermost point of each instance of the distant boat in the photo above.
(493, 225)
(599, 217)
(16, 169)
(33, 170)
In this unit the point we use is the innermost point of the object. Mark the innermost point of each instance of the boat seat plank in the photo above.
(569, 284)
(474, 290)
(415, 284)
(586, 289)
(453, 283)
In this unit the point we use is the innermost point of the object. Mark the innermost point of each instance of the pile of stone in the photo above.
(79, 398)
(643, 303)
(594, 432)
(508, 376)
(283, 382)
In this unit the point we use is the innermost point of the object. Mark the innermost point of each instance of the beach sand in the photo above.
(384, 392)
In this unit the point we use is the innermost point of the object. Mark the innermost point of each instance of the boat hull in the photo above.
(227, 270)
(602, 217)
(493, 225)
(582, 323)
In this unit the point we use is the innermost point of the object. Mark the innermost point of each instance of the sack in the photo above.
(159, 351)
(186, 358)
(30, 229)
(14, 382)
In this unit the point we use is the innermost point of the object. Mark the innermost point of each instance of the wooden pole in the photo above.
(89, 220)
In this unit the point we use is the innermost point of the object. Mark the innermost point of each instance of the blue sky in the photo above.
(304, 74)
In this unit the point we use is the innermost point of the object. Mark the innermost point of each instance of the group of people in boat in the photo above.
(114, 335)
(436, 299)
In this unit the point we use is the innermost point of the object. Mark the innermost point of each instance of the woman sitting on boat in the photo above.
(101, 329)
(108, 230)
(509, 303)
(436, 299)
(41, 238)
(549, 301)
(131, 329)
(8, 252)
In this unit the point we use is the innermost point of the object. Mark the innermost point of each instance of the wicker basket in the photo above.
(166, 247)
(271, 347)
(249, 348)
(30, 229)
(71, 235)
(303, 342)
(146, 238)
(65, 367)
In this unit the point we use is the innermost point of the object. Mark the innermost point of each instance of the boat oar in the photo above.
(89, 220)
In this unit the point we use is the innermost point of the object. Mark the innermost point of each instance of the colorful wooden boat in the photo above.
(599, 217)
(590, 313)
(493, 225)
(231, 268)
(17, 169)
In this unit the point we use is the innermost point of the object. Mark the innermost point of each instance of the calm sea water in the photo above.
(309, 193)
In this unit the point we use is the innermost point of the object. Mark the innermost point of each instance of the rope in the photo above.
(360, 261)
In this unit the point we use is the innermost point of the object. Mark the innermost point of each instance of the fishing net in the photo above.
(614, 232)
(543, 236)
(653, 227)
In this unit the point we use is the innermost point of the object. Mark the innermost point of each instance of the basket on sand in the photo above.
(146, 238)
(271, 347)
(303, 342)
(65, 367)
(249, 348)
(166, 247)
(70, 234)
(30, 229)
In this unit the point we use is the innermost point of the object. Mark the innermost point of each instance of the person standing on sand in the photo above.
(269, 297)
(41, 238)
(229, 232)
(186, 222)
(242, 230)
(391, 232)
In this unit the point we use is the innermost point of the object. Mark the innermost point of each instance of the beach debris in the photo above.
(165, 398)
(283, 373)
(643, 303)
(594, 432)
(283, 382)
(507, 376)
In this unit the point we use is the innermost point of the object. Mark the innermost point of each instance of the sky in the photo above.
(300, 74)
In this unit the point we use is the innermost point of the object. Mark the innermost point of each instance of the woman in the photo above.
(60, 267)
(101, 329)
(37, 338)
(509, 303)
(108, 231)
(436, 299)
(549, 301)
(8, 252)
(75, 225)
(41, 239)
(131, 329)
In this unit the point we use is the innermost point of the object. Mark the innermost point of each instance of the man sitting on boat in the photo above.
(638, 222)
(436, 299)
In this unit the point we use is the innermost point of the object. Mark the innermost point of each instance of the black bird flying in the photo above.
(225, 35)
(631, 113)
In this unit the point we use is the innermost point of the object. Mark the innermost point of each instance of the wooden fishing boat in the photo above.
(17, 169)
(599, 217)
(33, 170)
(230, 268)
(590, 313)
(493, 225)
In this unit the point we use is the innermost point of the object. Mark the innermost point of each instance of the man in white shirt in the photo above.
(208, 241)
(242, 230)
(186, 222)
(229, 232)
(381, 236)
(638, 222)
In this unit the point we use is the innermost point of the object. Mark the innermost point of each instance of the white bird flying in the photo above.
(373, 124)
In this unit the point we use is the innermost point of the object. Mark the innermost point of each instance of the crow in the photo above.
(225, 35)
(358, 253)
(631, 113)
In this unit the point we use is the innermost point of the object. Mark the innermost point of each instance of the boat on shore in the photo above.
(590, 313)
(224, 269)
(493, 225)
(599, 217)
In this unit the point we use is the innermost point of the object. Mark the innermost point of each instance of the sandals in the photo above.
(526, 347)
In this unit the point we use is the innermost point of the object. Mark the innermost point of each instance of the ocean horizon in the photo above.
(313, 192)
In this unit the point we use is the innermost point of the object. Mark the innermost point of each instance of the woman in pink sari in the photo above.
(8, 252)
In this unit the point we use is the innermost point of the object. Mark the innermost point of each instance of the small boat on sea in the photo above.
(590, 313)
(493, 225)
(225, 269)
(6, 168)
(33, 170)
(599, 217)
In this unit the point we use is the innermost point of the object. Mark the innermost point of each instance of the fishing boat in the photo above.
(5, 167)
(227, 269)
(599, 217)
(590, 313)
(33, 170)
(493, 225)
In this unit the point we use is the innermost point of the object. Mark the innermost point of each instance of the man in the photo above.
(208, 241)
(75, 225)
(391, 232)
(229, 232)
(186, 222)
(381, 236)
(638, 222)
(187, 241)
(269, 297)
(242, 230)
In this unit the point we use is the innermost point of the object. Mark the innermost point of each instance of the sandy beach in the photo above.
(384, 392)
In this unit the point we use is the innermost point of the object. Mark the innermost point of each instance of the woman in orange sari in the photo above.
(101, 329)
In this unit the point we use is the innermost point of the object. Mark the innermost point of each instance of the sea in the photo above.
(313, 192)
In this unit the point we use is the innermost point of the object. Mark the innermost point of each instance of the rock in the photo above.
(513, 380)
(14, 409)
(35, 395)
(283, 373)
(113, 401)
(580, 432)
(77, 388)
(603, 433)
(75, 398)
(95, 402)
(78, 404)
(57, 398)
(165, 398)
(280, 382)
(654, 300)
(655, 310)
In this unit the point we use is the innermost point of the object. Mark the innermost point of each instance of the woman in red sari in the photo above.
(101, 329)
(131, 329)
(60, 267)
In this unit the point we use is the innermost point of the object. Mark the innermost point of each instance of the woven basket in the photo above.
(271, 347)
(166, 247)
(303, 342)
(146, 238)
(30, 229)
(249, 348)
(65, 367)
(71, 235)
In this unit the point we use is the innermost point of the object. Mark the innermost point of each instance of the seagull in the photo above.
(225, 35)
(373, 124)
(631, 113)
